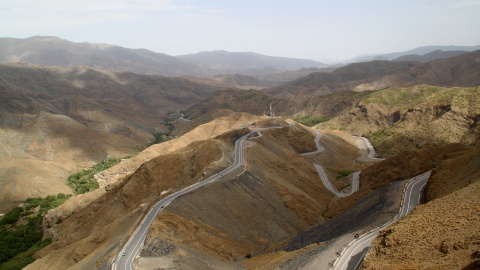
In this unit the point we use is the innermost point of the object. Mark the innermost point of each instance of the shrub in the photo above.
(84, 181)
(12, 216)
(310, 121)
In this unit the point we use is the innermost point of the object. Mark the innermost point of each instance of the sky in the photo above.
(311, 29)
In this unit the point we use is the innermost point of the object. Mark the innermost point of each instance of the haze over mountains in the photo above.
(65, 106)
(53, 51)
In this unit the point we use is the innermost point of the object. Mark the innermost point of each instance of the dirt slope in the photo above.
(92, 232)
(442, 234)
(54, 122)
(277, 196)
(414, 116)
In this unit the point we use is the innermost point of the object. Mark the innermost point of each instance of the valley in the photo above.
(241, 161)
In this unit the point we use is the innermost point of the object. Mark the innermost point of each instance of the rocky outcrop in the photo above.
(442, 234)
(420, 114)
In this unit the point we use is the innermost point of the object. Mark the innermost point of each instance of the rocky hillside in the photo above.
(109, 217)
(54, 122)
(53, 51)
(462, 70)
(341, 79)
(404, 117)
(248, 213)
(442, 234)
(251, 101)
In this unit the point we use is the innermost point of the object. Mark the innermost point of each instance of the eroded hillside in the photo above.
(442, 234)
(54, 122)
(406, 118)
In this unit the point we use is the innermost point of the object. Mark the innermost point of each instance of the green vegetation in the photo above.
(406, 98)
(310, 120)
(344, 187)
(324, 213)
(249, 255)
(45, 204)
(343, 173)
(170, 118)
(377, 138)
(21, 231)
(245, 95)
(12, 216)
(84, 181)
(25, 258)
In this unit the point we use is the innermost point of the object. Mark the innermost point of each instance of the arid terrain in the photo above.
(274, 210)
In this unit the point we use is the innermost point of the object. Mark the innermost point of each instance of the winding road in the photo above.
(126, 257)
(353, 254)
(323, 175)
(371, 150)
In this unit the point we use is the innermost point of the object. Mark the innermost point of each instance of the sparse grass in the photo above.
(324, 213)
(343, 173)
(310, 120)
(377, 138)
(245, 95)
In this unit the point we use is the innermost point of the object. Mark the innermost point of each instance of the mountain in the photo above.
(417, 51)
(53, 51)
(341, 79)
(396, 119)
(431, 56)
(252, 60)
(462, 70)
(251, 101)
(55, 121)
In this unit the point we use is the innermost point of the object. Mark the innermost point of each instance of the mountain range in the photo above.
(53, 51)
(66, 106)
(420, 51)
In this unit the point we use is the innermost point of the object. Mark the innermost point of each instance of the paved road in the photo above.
(126, 257)
(323, 176)
(317, 143)
(135, 243)
(371, 150)
(352, 256)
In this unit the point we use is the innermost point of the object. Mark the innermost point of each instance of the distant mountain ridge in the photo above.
(53, 51)
(417, 51)
(251, 59)
(431, 56)
(462, 70)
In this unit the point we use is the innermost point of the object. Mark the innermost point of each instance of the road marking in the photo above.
(348, 253)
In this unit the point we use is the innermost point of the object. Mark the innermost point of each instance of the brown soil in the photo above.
(93, 233)
(442, 234)
(278, 196)
(55, 122)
